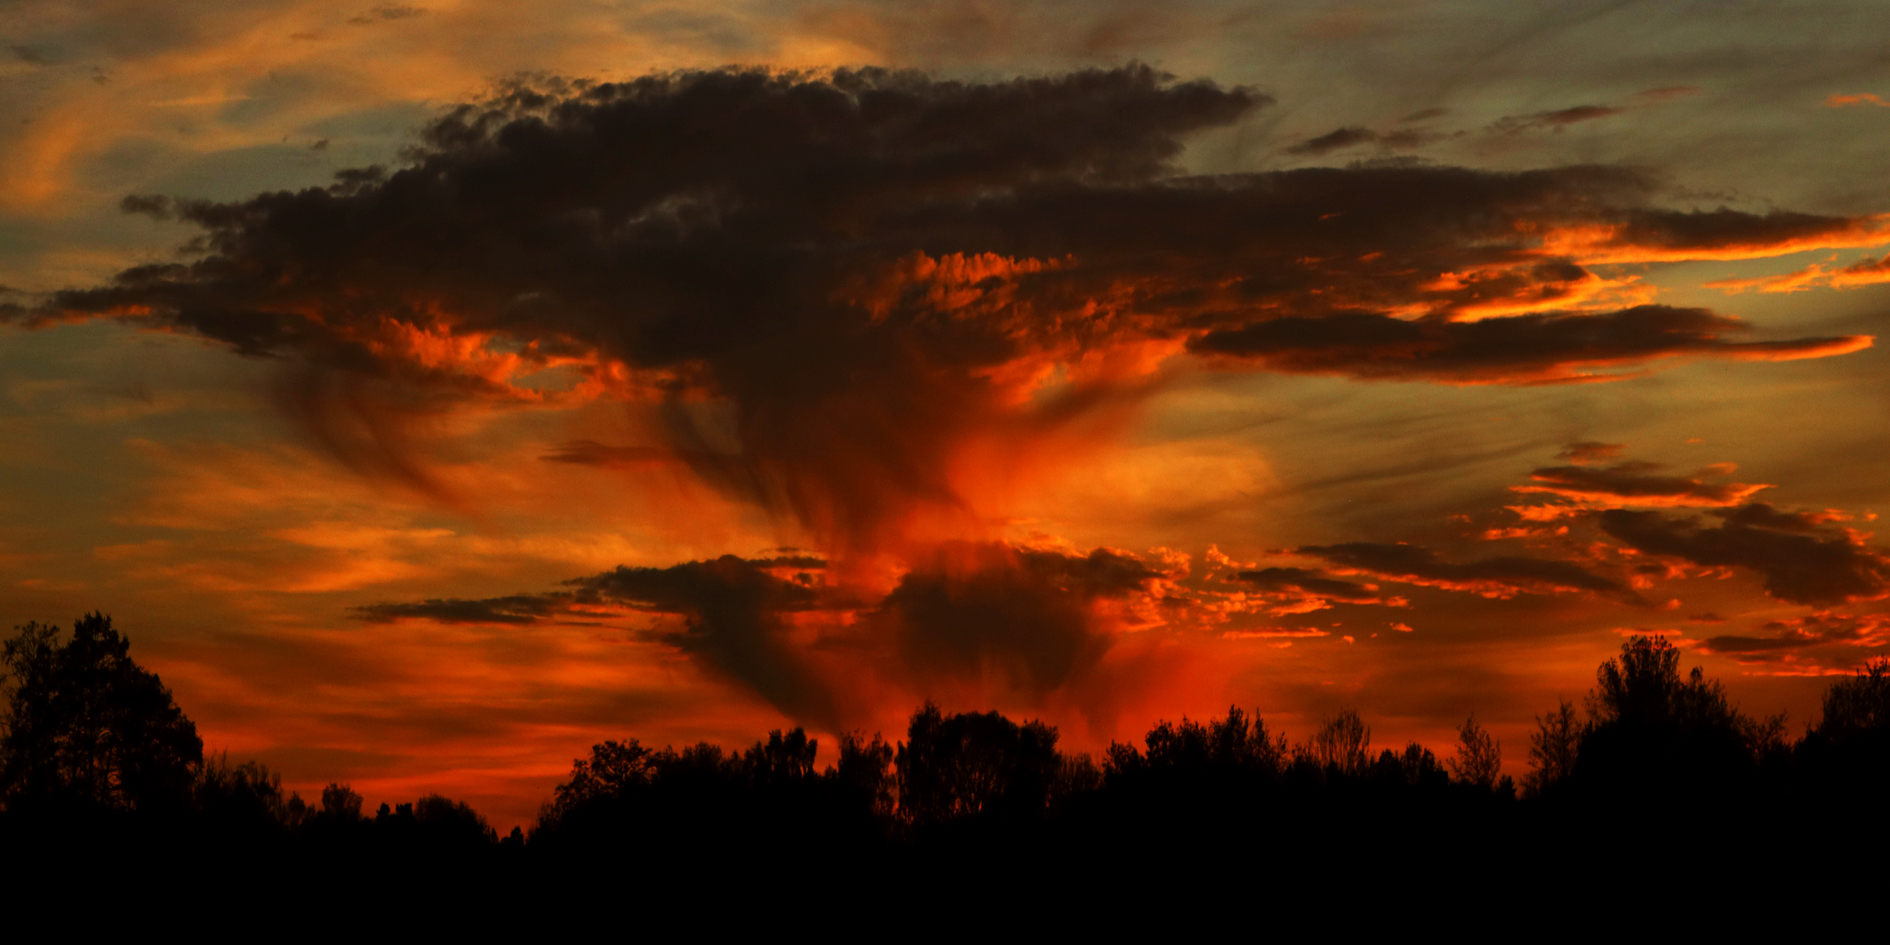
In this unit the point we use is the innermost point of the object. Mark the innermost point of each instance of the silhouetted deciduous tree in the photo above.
(448, 823)
(1553, 748)
(784, 759)
(1342, 743)
(612, 769)
(247, 794)
(1479, 758)
(86, 724)
(1653, 732)
(1415, 765)
(962, 765)
(1858, 705)
(865, 769)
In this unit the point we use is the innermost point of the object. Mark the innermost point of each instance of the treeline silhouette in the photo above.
(1657, 772)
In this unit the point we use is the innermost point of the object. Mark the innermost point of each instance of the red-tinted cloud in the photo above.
(1804, 558)
(1499, 577)
(1634, 484)
(1522, 349)
(868, 269)
(980, 616)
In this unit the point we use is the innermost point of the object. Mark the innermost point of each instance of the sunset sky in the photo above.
(433, 391)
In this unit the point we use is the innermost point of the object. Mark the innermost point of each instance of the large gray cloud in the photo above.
(851, 262)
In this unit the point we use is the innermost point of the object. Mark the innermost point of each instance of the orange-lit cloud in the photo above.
(1497, 577)
(1860, 98)
(833, 305)
(1803, 557)
(1864, 272)
(1634, 484)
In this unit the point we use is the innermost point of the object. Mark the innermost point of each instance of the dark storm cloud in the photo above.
(1501, 576)
(968, 611)
(731, 610)
(1023, 615)
(850, 261)
(1803, 558)
(732, 624)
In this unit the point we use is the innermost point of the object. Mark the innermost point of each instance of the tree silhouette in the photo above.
(340, 804)
(1859, 705)
(87, 724)
(1654, 732)
(865, 768)
(1479, 758)
(1415, 765)
(1553, 748)
(965, 764)
(1342, 743)
(782, 759)
(246, 794)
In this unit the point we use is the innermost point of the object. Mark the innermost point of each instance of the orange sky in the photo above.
(1396, 356)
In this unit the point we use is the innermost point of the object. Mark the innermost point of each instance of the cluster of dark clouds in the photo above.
(1804, 558)
(1010, 618)
(1610, 532)
(851, 261)
(862, 266)
(1029, 621)
(1529, 348)
(1824, 633)
(730, 611)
